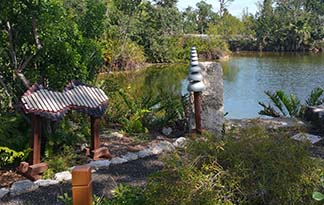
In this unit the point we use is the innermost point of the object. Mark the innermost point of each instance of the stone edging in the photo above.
(25, 186)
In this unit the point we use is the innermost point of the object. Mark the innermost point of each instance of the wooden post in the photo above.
(95, 142)
(197, 102)
(36, 139)
(97, 151)
(81, 185)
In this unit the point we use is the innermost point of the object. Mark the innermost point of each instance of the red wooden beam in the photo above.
(95, 141)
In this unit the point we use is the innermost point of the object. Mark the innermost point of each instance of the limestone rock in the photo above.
(167, 131)
(117, 135)
(63, 176)
(157, 149)
(99, 163)
(166, 146)
(118, 160)
(21, 187)
(180, 142)
(130, 156)
(305, 136)
(145, 153)
(3, 192)
(45, 182)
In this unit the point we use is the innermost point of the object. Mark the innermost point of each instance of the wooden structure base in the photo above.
(101, 153)
(32, 172)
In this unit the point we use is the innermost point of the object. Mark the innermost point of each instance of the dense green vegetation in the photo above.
(54, 41)
(253, 166)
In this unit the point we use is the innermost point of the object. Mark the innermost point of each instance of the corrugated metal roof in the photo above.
(53, 105)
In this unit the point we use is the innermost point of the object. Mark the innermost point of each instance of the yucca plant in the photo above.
(287, 105)
(315, 97)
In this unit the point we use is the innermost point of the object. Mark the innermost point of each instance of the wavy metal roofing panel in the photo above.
(53, 105)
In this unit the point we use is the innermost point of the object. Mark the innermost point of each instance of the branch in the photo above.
(11, 46)
(36, 35)
(6, 89)
(23, 79)
(23, 65)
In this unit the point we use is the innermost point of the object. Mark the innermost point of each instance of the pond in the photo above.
(246, 77)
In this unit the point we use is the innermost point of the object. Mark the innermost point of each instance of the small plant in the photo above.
(315, 97)
(8, 156)
(127, 195)
(65, 198)
(60, 161)
(318, 196)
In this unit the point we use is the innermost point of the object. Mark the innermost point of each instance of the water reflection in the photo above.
(246, 77)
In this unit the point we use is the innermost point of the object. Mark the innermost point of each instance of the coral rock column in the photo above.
(196, 86)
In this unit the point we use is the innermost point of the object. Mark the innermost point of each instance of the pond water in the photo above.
(246, 77)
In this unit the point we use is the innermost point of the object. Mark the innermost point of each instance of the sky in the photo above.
(235, 7)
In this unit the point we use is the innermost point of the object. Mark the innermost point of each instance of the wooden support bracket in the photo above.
(32, 172)
(101, 153)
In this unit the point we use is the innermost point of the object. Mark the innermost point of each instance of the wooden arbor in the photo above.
(42, 103)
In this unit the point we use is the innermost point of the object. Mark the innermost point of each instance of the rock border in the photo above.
(25, 186)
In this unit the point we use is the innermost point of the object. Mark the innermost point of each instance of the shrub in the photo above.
(8, 156)
(253, 169)
(60, 161)
(273, 169)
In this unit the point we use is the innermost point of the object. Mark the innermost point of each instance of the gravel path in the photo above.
(104, 180)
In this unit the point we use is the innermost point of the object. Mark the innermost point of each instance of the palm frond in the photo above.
(315, 97)
(276, 101)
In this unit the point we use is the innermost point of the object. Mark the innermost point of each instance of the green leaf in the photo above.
(318, 196)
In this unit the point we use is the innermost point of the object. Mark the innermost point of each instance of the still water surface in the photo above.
(246, 77)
